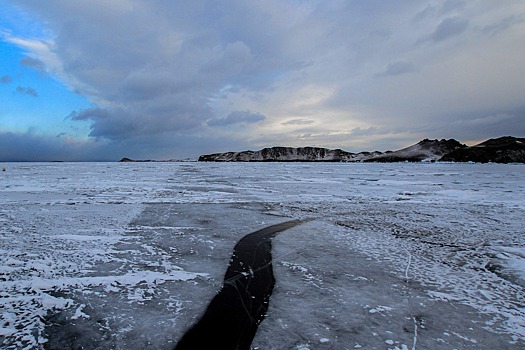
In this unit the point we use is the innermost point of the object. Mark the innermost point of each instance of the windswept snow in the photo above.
(397, 256)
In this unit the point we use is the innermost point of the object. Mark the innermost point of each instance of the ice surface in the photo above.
(399, 256)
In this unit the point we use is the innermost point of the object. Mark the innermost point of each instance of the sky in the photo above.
(94, 80)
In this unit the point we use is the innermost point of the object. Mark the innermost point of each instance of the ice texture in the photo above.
(128, 255)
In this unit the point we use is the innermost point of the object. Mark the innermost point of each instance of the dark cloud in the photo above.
(89, 114)
(5, 79)
(32, 147)
(121, 123)
(480, 126)
(106, 123)
(469, 126)
(26, 91)
(398, 68)
(33, 63)
(238, 117)
(449, 28)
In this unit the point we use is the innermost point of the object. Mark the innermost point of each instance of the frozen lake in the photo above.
(390, 256)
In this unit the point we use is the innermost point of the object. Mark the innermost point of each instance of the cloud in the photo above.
(32, 147)
(364, 132)
(433, 11)
(39, 54)
(26, 91)
(448, 28)
(298, 122)
(167, 76)
(452, 6)
(124, 123)
(238, 117)
(503, 24)
(481, 127)
(33, 63)
(5, 79)
(89, 114)
(398, 68)
(424, 14)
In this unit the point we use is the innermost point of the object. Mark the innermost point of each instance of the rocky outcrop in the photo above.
(505, 149)
(423, 151)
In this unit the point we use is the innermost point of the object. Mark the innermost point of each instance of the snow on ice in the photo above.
(397, 256)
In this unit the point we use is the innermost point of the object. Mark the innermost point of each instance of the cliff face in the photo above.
(505, 149)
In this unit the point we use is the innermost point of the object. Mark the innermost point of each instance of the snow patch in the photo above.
(380, 309)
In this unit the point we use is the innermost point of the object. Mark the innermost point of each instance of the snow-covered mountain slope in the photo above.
(423, 151)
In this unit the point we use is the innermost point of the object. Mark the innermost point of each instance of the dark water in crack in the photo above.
(233, 315)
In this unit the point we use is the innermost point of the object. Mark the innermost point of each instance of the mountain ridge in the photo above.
(506, 149)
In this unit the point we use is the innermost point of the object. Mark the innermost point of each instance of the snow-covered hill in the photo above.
(288, 154)
(501, 150)
(426, 150)
(423, 151)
